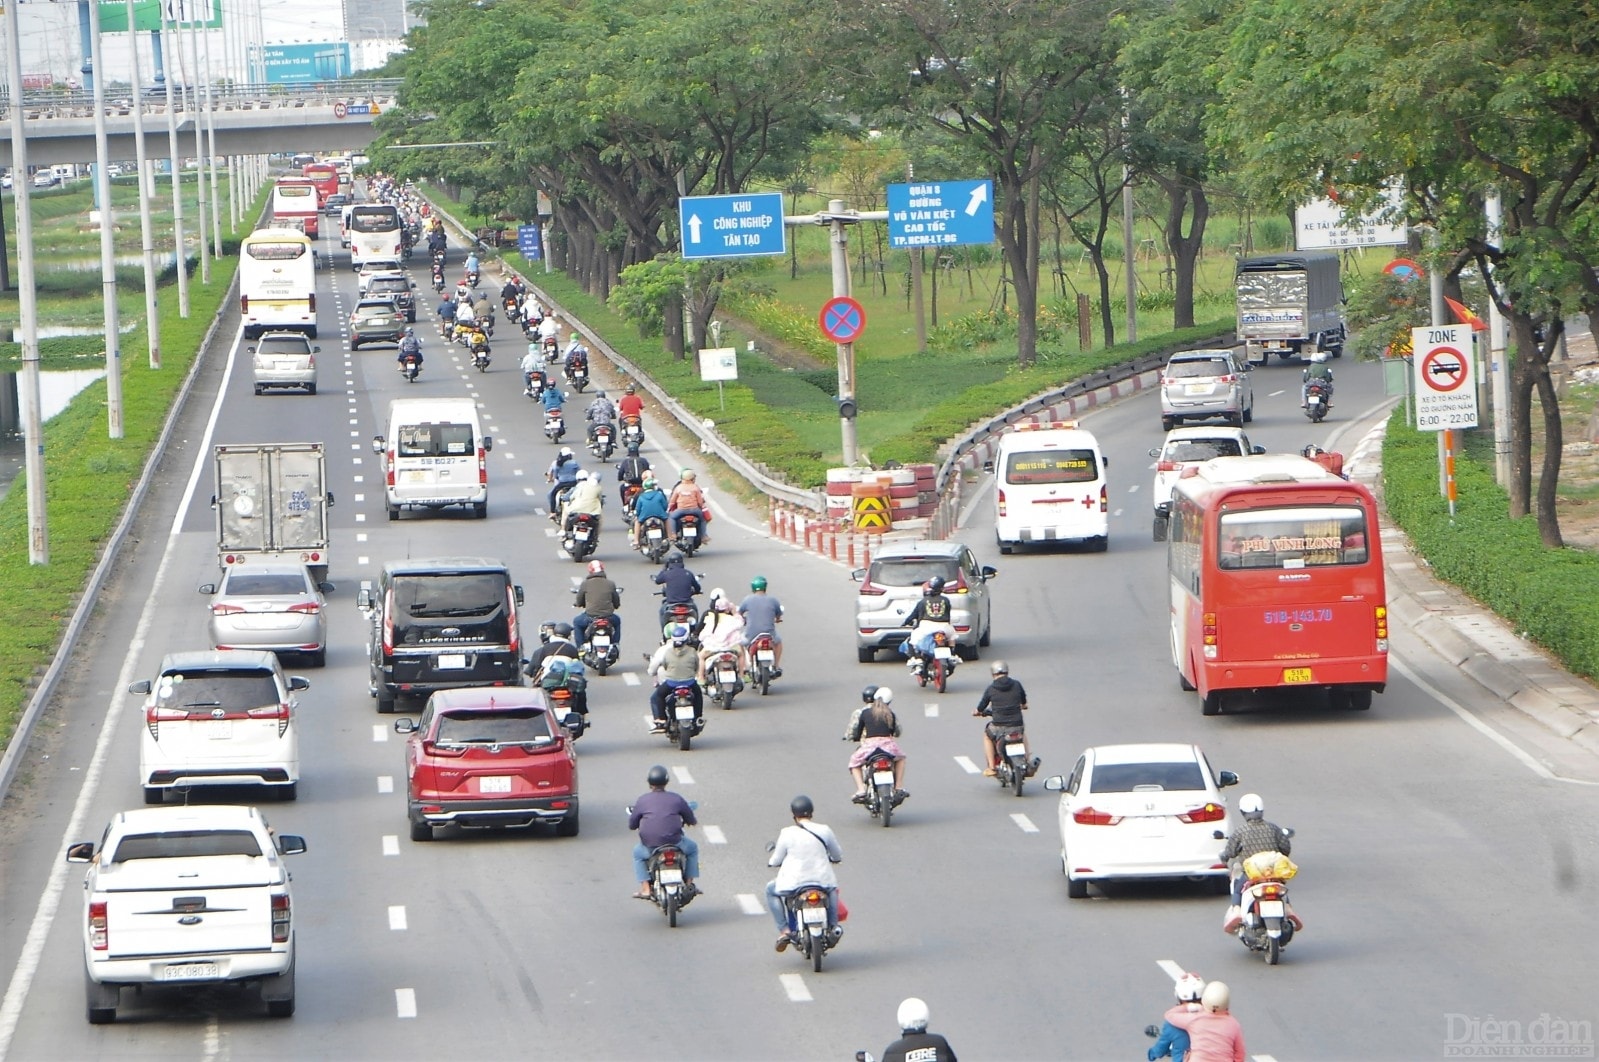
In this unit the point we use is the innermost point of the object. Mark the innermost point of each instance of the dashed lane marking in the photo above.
(965, 763)
(391, 844)
(397, 918)
(714, 835)
(748, 903)
(794, 987)
(385, 783)
(380, 732)
(1025, 823)
(682, 775)
(930, 709)
(405, 1002)
(630, 678)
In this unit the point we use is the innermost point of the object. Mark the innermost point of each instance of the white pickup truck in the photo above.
(187, 896)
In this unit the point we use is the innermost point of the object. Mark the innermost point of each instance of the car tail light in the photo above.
(1208, 629)
(1379, 616)
(244, 304)
(482, 466)
(225, 610)
(871, 589)
(432, 748)
(999, 502)
(1166, 466)
(388, 467)
(516, 634)
(1229, 378)
(1094, 817)
(1104, 499)
(280, 918)
(1208, 813)
(388, 622)
(99, 930)
(280, 712)
(306, 608)
(154, 715)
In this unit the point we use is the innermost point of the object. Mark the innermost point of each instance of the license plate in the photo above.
(1196, 389)
(653, 532)
(941, 652)
(285, 366)
(670, 876)
(727, 677)
(494, 784)
(814, 916)
(883, 778)
(1297, 675)
(765, 656)
(451, 661)
(189, 971)
(601, 641)
(581, 534)
(685, 713)
(220, 730)
(1270, 909)
(691, 532)
(1015, 750)
(417, 475)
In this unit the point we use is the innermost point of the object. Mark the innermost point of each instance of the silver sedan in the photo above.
(270, 605)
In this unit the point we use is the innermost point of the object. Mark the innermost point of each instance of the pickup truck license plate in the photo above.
(189, 971)
(451, 661)
(1295, 676)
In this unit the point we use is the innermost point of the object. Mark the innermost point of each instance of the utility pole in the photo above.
(174, 165)
(1498, 364)
(191, 81)
(152, 324)
(916, 282)
(108, 251)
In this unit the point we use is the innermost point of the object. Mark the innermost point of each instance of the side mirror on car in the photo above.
(142, 687)
(290, 844)
(326, 587)
(404, 726)
(378, 444)
(1257, 449)
(858, 574)
(208, 588)
(82, 852)
(363, 599)
(488, 443)
(989, 571)
(298, 683)
(988, 467)
(1154, 451)
(1226, 778)
(517, 590)
(1055, 783)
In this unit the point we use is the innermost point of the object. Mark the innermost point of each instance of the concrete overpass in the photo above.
(250, 120)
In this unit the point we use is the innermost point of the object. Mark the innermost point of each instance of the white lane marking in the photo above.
(1133, 489)
(55, 885)
(516, 472)
(359, 479)
(363, 560)
(965, 763)
(360, 518)
(213, 1038)
(355, 446)
(549, 532)
(794, 986)
(353, 420)
(1175, 972)
(630, 678)
(355, 435)
(360, 497)
(397, 917)
(355, 460)
(1117, 512)
(391, 844)
(682, 775)
(405, 1002)
(385, 783)
(529, 491)
(714, 835)
(930, 709)
(1263, 1058)
(1274, 394)
(749, 904)
(360, 536)
(380, 732)
(1024, 822)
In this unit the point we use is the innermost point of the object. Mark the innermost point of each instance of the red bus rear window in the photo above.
(1299, 537)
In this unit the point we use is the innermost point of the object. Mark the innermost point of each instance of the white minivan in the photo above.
(435, 455)
(1050, 486)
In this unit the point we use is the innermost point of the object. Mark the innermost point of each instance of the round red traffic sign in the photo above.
(340, 109)
(1443, 369)
(842, 319)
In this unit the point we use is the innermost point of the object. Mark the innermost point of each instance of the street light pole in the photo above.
(108, 252)
(152, 326)
(175, 167)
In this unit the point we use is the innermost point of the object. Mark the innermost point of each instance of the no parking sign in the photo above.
(1445, 367)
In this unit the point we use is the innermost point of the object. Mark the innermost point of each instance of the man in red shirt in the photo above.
(631, 405)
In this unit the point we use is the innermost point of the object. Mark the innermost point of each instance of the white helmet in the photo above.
(885, 697)
(1189, 988)
(1250, 806)
(582, 475)
(913, 1015)
(1216, 997)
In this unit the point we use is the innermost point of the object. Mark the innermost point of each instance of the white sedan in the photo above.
(1141, 811)
(1190, 446)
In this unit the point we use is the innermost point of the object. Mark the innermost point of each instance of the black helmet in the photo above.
(867, 693)
(563, 630)
(545, 630)
(935, 585)
(801, 807)
(657, 777)
(632, 449)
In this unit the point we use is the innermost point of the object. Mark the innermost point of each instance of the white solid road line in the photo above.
(391, 844)
(50, 899)
(965, 763)
(385, 783)
(794, 986)
(749, 904)
(1024, 822)
(397, 918)
(714, 835)
(405, 1002)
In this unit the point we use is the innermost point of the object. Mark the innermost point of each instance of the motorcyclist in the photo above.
(650, 504)
(630, 404)
(446, 313)
(721, 630)
(552, 397)
(1254, 835)
(678, 584)
(576, 358)
(465, 309)
(410, 347)
(659, 818)
(511, 293)
(631, 470)
(1317, 370)
(597, 596)
(1214, 1035)
(563, 473)
(600, 411)
(804, 854)
(530, 363)
(1003, 702)
(549, 329)
(1172, 1040)
(673, 666)
(472, 269)
(574, 345)
(916, 1044)
(587, 496)
(484, 310)
(686, 498)
(875, 726)
(932, 614)
(557, 641)
(762, 613)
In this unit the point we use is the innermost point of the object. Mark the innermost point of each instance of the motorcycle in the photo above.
(582, 536)
(681, 726)
(478, 344)
(447, 329)
(632, 431)
(438, 280)
(882, 796)
(552, 349)
(599, 648)
(667, 888)
(630, 491)
(1266, 921)
(689, 534)
(554, 424)
(684, 612)
(653, 540)
(807, 909)
(536, 382)
(438, 256)
(1013, 768)
(1318, 400)
(602, 443)
(513, 309)
(935, 667)
(763, 662)
(409, 368)
(722, 680)
(563, 706)
(471, 278)
(577, 374)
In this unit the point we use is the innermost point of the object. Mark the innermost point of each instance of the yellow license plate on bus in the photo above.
(1297, 675)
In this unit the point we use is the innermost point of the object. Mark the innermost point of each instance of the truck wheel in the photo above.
(101, 1000)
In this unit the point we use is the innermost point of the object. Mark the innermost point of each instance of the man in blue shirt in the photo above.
(651, 502)
(762, 613)
(563, 473)
(659, 818)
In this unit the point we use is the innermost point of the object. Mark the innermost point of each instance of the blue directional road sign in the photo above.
(940, 213)
(529, 242)
(732, 226)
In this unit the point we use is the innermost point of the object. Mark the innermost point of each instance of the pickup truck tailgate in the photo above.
(211, 905)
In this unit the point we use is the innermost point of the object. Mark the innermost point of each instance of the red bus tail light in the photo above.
(1379, 617)
(1094, 817)
(1208, 630)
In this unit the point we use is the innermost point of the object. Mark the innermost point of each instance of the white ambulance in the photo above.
(1050, 486)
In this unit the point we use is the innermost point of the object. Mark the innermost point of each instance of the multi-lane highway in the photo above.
(1442, 880)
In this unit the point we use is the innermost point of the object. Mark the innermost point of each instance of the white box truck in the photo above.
(272, 503)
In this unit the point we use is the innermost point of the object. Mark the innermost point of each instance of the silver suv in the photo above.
(892, 586)
(1200, 384)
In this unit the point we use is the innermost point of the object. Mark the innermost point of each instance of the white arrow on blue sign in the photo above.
(940, 213)
(732, 226)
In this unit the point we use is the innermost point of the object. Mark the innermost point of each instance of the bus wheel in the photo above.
(1210, 704)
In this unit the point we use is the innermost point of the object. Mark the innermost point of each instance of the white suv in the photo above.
(1189, 446)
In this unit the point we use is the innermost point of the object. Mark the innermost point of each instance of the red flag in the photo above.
(1464, 315)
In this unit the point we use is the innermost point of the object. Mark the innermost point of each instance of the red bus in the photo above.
(295, 201)
(1277, 582)
(325, 176)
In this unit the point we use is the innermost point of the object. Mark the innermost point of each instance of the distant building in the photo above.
(374, 20)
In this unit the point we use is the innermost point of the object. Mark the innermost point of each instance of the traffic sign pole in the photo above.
(846, 351)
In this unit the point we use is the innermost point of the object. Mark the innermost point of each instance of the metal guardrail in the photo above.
(77, 103)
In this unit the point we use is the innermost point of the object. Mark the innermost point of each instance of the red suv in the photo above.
(490, 756)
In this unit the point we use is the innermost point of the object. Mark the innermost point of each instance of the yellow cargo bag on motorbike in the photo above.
(1269, 866)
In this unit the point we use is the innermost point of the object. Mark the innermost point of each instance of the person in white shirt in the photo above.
(721, 630)
(803, 855)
